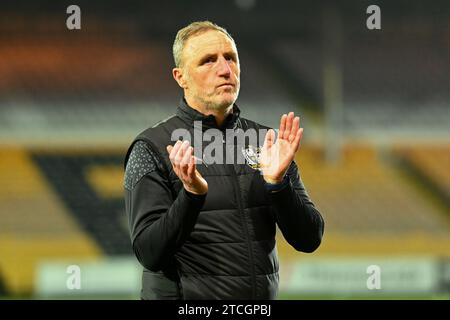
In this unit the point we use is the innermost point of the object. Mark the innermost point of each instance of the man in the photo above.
(206, 230)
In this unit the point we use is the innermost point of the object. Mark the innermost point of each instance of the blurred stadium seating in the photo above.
(429, 163)
(70, 103)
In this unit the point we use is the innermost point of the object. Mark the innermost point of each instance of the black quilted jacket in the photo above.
(218, 246)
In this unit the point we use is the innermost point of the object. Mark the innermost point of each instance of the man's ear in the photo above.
(178, 75)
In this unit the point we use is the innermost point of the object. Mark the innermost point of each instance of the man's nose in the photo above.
(224, 69)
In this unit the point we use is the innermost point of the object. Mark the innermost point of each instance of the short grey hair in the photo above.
(193, 29)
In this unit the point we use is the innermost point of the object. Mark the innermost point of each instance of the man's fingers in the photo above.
(181, 151)
(173, 150)
(184, 163)
(288, 128)
(270, 138)
(191, 168)
(294, 129)
(298, 138)
(296, 124)
(282, 126)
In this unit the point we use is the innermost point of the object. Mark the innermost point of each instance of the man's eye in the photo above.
(209, 60)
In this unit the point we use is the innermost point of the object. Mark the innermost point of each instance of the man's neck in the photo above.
(219, 114)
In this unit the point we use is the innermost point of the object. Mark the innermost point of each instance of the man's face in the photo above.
(211, 70)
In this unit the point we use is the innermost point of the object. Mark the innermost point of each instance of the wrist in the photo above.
(272, 180)
(275, 187)
(194, 191)
(193, 195)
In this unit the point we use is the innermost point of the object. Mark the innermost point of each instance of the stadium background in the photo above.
(375, 105)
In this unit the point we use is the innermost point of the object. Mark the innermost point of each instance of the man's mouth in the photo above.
(226, 85)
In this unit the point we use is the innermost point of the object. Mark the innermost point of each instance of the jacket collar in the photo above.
(189, 114)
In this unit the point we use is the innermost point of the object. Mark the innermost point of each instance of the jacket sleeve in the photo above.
(298, 219)
(159, 222)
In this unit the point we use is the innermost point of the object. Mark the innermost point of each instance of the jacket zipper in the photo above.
(237, 193)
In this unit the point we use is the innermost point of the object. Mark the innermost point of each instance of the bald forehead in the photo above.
(208, 42)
